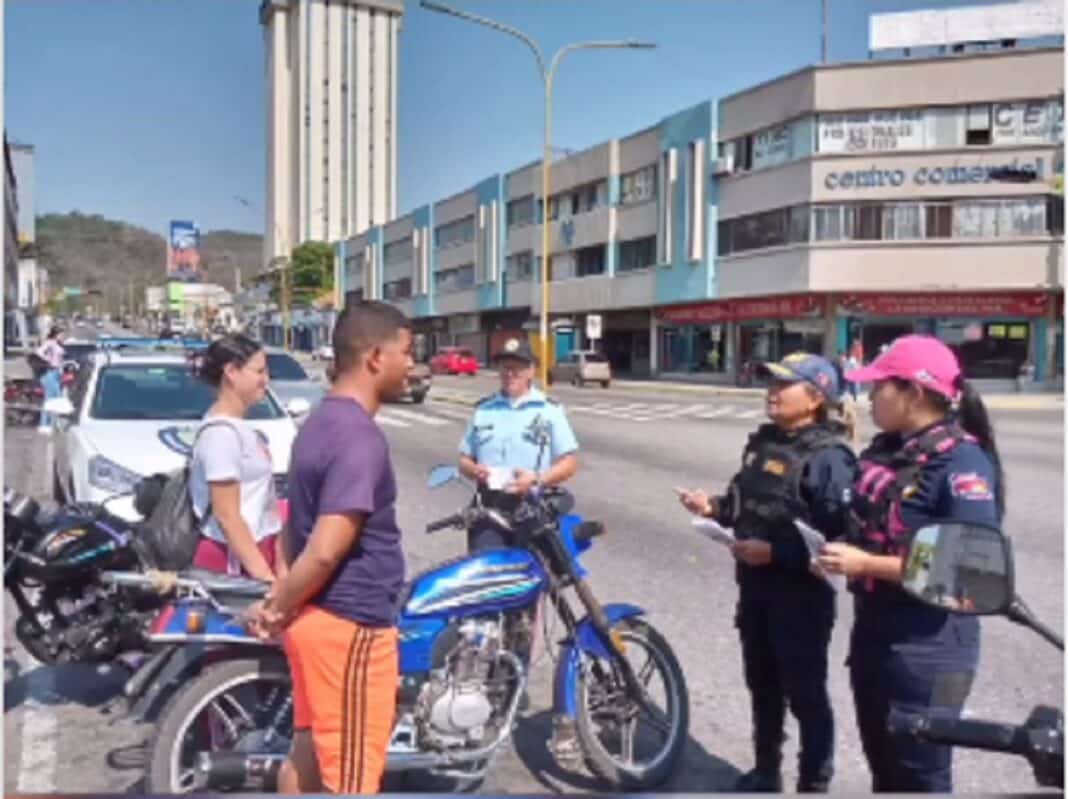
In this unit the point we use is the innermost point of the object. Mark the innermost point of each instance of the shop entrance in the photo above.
(989, 350)
(876, 336)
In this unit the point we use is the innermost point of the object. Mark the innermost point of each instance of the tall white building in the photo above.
(331, 118)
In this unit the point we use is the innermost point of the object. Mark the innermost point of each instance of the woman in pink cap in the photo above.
(935, 461)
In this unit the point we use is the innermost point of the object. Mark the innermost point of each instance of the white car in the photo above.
(323, 353)
(134, 414)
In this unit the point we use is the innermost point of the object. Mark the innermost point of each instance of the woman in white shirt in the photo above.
(51, 351)
(232, 481)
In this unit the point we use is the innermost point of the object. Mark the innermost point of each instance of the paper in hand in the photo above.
(814, 542)
(500, 477)
(714, 530)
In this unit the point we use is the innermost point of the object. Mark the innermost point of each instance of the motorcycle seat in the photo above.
(225, 585)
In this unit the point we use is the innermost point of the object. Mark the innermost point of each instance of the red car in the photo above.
(454, 361)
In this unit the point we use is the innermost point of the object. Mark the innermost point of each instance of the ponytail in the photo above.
(975, 420)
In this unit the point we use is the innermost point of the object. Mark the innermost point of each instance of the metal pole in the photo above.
(823, 47)
(546, 166)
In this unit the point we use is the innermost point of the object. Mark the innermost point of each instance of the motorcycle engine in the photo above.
(458, 701)
(83, 626)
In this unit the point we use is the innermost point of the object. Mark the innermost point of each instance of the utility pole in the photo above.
(823, 45)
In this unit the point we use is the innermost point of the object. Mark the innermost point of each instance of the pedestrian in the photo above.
(51, 352)
(796, 467)
(517, 439)
(852, 363)
(231, 481)
(337, 603)
(935, 460)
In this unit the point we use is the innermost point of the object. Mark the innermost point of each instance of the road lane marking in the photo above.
(388, 422)
(716, 413)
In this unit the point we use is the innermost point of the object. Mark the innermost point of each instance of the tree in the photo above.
(311, 272)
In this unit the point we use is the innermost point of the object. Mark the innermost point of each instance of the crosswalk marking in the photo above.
(723, 410)
(381, 418)
(753, 414)
(411, 416)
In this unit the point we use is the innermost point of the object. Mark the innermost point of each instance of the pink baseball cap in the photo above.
(921, 359)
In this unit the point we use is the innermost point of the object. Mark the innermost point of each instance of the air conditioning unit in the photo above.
(724, 165)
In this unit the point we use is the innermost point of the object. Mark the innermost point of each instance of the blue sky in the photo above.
(151, 110)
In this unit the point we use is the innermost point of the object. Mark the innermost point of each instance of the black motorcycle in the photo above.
(52, 567)
(968, 569)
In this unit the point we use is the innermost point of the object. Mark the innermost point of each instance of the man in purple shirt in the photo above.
(336, 605)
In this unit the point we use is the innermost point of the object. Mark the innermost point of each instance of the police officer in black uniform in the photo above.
(797, 467)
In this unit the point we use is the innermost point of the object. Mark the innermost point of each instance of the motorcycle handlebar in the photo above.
(991, 736)
(449, 521)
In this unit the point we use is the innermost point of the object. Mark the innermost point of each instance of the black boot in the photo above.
(760, 781)
(819, 785)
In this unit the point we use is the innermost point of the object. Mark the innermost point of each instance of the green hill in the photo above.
(94, 253)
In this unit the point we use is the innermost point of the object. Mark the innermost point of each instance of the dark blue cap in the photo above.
(813, 369)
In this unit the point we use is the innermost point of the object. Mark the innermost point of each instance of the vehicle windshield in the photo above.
(595, 357)
(160, 392)
(465, 353)
(285, 367)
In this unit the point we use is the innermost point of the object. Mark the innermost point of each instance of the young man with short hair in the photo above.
(336, 605)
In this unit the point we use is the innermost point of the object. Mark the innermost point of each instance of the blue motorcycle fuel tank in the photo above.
(496, 581)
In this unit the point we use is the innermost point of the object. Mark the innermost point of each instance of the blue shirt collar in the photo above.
(532, 397)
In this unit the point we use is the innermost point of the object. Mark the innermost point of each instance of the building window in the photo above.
(459, 232)
(944, 219)
(590, 261)
(638, 186)
(397, 289)
(977, 127)
(397, 251)
(520, 266)
(637, 254)
(577, 201)
(457, 279)
(520, 213)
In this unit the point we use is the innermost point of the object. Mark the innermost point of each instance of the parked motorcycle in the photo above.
(52, 565)
(968, 569)
(465, 628)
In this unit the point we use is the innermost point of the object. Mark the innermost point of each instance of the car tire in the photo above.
(418, 398)
(577, 382)
(606, 383)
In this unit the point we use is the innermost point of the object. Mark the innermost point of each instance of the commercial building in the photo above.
(11, 247)
(829, 209)
(331, 68)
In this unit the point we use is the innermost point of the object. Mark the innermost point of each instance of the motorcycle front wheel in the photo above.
(623, 742)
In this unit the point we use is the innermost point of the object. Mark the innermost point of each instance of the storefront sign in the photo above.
(771, 147)
(978, 305)
(871, 131)
(1033, 122)
(927, 175)
(741, 310)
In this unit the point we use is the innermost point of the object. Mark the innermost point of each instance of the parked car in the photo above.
(289, 380)
(133, 414)
(418, 385)
(582, 367)
(324, 353)
(454, 361)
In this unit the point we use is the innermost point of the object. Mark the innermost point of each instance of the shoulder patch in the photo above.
(969, 485)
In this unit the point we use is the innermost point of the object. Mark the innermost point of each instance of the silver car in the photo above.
(290, 381)
(582, 367)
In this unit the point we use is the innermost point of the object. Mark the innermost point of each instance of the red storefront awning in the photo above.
(1009, 304)
(788, 306)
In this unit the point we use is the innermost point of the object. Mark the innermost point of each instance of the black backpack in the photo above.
(37, 364)
(171, 530)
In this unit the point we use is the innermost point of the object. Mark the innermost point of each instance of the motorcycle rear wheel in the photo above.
(165, 772)
(600, 700)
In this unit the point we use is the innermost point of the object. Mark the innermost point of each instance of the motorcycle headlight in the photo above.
(108, 476)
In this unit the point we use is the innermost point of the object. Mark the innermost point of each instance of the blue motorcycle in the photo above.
(466, 632)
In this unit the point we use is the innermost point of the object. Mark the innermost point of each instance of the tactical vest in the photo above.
(886, 472)
(766, 493)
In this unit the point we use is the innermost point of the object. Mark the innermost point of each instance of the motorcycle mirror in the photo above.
(961, 568)
(440, 475)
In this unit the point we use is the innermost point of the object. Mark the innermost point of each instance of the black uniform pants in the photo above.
(931, 668)
(784, 650)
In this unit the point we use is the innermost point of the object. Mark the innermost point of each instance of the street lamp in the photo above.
(547, 84)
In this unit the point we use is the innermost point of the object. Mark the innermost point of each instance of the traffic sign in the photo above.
(593, 326)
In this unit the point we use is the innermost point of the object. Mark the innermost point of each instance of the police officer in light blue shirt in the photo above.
(517, 439)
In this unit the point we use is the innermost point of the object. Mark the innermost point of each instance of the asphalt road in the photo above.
(636, 446)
